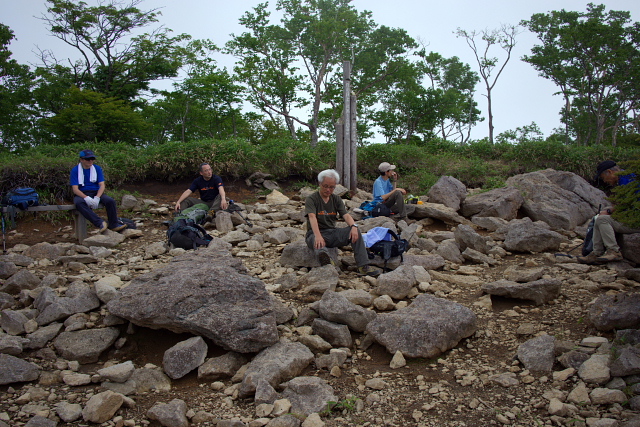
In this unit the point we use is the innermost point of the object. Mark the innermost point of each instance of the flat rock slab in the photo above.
(205, 292)
(15, 370)
(426, 328)
(539, 291)
(85, 346)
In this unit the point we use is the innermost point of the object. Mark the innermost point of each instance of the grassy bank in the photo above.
(478, 164)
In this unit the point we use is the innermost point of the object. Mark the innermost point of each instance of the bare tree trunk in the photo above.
(346, 119)
(353, 169)
(490, 114)
(340, 146)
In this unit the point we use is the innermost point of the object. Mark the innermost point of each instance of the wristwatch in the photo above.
(354, 225)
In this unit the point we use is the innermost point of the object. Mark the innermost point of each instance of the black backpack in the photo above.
(380, 210)
(186, 234)
(388, 249)
(587, 245)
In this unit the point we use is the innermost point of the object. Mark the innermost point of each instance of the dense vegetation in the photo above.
(479, 164)
(290, 73)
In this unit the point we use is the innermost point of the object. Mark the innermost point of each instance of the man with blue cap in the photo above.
(87, 183)
(605, 246)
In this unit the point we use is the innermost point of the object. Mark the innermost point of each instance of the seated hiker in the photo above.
(210, 188)
(87, 183)
(605, 246)
(322, 209)
(385, 190)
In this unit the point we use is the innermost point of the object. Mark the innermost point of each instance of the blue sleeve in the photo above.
(218, 181)
(378, 190)
(73, 179)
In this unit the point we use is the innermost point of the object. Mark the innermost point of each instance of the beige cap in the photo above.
(385, 166)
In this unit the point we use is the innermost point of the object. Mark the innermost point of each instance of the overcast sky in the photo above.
(520, 96)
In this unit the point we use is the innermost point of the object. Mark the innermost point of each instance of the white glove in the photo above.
(96, 202)
(89, 201)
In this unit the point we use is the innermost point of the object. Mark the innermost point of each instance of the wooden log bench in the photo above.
(80, 225)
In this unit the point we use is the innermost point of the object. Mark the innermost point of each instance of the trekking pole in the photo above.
(235, 208)
(4, 240)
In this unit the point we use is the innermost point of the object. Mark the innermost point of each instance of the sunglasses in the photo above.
(89, 158)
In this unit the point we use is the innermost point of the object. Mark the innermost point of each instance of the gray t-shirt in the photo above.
(326, 213)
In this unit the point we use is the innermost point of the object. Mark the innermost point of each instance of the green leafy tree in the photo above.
(297, 66)
(456, 80)
(594, 59)
(16, 102)
(489, 66)
(113, 60)
(206, 104)
(93, 116)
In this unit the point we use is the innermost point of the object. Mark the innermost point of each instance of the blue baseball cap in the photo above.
(87, 153)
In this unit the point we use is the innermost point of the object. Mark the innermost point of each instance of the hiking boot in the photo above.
(325, 258)
(104, 227)
(610, 255)
(367, 270)
(590, 259)
(119, 227)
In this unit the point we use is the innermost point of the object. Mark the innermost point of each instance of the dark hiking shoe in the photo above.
(325, 258)
(590, 259)
(610, 255)
(367, 270)
(104, 227)
(119, 227)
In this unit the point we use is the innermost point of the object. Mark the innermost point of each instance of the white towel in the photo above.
(93, 175)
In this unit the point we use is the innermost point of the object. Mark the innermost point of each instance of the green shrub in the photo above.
(626, 198)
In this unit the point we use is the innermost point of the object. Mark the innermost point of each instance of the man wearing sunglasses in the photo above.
(87, 183)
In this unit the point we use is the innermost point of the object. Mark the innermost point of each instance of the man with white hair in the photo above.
(322, 209)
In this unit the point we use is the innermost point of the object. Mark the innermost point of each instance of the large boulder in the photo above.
(276, 364)
(397, 283)
(298, 254)
(429, 326)
(563, 200)
(499, 202)
(205, 292)
(79, 298)
(631, 247)
(620, 311)
(335, 307)
(467, 237)
(448, 191)
(526, 236)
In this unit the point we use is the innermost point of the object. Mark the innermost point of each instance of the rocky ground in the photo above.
(480, 382)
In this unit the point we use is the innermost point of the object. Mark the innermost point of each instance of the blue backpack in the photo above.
(22, 198)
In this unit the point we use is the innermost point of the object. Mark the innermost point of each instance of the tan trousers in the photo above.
(604, 233)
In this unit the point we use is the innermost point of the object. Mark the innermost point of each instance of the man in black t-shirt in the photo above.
(210, 188)
(322, 209)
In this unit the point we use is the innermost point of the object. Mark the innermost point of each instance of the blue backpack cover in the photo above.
(22, 198)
